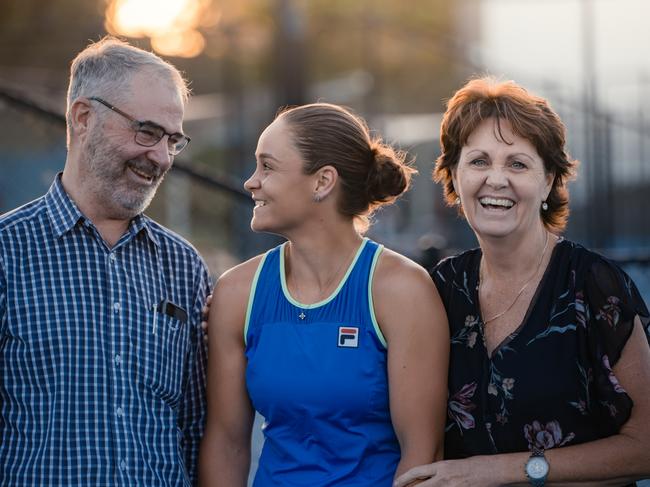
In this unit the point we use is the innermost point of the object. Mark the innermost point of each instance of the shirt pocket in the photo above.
(160, 345)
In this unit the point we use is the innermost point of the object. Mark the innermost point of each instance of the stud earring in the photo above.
(544, 205)
(457, 201)
(317, 198)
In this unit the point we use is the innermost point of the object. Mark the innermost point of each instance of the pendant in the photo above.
(302, 315)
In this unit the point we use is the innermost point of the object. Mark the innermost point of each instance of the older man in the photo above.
(101, 353)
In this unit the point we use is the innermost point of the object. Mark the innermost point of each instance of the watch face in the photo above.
(537, 468)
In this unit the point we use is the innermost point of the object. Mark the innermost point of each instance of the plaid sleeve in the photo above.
(193, 406)
(3, 297)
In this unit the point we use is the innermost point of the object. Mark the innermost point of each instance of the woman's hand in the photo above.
(468, 472)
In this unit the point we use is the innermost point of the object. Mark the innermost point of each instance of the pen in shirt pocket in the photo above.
(170, 309)
(155, 318)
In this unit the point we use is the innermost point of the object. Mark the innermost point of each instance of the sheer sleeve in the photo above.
(455, 276)
(442, 276)
(611, 304)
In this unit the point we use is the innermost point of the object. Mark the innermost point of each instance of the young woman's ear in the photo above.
(324, 182)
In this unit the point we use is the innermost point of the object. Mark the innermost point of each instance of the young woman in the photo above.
(340, 344)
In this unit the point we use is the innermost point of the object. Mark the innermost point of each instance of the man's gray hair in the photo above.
(106, 67)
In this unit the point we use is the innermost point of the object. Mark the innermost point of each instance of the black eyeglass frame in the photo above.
(173, 148)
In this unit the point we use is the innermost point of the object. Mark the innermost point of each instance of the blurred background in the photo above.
(393, 61)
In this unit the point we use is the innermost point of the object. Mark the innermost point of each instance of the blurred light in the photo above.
(170, 24)
(189, 43)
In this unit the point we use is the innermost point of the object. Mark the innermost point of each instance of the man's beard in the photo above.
(109, 184)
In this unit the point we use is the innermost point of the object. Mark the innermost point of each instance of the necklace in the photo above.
(327, 284)
(523, 288)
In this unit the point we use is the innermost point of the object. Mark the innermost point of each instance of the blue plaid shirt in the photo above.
(97, 388)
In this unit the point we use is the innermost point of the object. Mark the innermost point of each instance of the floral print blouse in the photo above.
(550, 383)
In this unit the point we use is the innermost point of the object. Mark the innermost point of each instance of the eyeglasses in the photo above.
(148, 134)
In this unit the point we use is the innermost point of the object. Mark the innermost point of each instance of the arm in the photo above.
(611, 461)
(226, 447)
(191, 416)
(413, 320)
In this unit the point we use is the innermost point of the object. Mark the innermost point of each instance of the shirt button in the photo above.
(122, 465)
(112, 257)
(117, 306)
(119, 412)
(118, 359)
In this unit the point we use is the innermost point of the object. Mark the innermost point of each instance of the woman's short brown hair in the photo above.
(530, 116)
(371, 172)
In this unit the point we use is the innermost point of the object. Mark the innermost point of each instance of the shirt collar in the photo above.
(64, 214)
(62, 211)
(140, 223)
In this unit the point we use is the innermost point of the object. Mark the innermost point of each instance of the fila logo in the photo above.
(348, 337)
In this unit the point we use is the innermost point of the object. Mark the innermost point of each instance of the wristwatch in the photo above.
(537, 468)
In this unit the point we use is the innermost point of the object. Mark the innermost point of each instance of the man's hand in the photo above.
(206, 315)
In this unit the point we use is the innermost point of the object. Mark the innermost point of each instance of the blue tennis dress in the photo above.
(317, 373)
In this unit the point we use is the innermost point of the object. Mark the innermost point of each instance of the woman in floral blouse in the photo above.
(550, 365)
